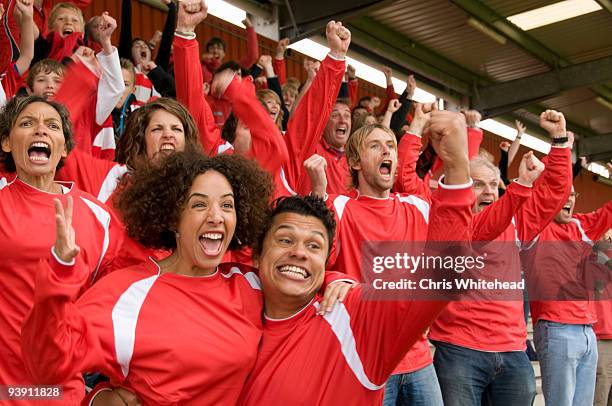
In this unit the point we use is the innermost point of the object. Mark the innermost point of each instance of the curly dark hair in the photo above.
(304, 205)
(9, 115)
(132, 144)
(152, 199)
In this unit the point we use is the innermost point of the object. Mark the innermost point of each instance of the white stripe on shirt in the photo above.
(125, 317)
(340, 321)
(111, 181)
(104, 218)
(420, 204)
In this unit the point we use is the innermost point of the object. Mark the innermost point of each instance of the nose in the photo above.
(298, 251)
(40, 128)
(487, 189)
(167, 133)
(214, 216)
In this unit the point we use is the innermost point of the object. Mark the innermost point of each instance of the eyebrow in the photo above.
(284, 226)
(206, 196)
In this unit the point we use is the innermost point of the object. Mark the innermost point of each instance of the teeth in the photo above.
(39, 145)
(294, 269)
(39, 158)
(212, 236)
(167, 147)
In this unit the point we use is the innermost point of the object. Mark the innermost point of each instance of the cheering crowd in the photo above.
(189, 230)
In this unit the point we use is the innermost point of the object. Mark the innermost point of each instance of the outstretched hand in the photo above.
(65, 246)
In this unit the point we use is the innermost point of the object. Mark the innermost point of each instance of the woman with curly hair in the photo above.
(36, 135)
(180, 330)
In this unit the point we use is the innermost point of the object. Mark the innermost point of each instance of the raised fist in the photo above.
(315, 167)
(530, 169)
(265, 61)
(554, 123)
(448, 134)
(394, 105)
(387, 71)
(410, 86)
(190, 14)
(338, 39)
(472, 117)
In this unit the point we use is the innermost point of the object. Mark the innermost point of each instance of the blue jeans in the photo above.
(568, 361)
(418, 388)
(471, 378)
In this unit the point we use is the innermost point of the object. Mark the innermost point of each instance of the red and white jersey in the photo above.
(346, 356)
(522, 212)
(172, 339)
(341, 358)
(91, 103)
(402, 218)
(144, 89)
(305, 129)
(561, 264)
(27, 233)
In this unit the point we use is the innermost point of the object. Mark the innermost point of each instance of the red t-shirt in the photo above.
(27, 233)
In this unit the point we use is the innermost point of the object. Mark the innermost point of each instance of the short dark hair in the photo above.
(364, 98)
(233, 65)
(151, 200)
(215, 41)
(305, 206)
(8, 117)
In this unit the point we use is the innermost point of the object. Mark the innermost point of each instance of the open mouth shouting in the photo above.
(484, 203)
(67, 31)
(212, 243)
(293, 272)
(167, 147)
(39, 152)
(385, 168)
(567, 208)
(341, 130)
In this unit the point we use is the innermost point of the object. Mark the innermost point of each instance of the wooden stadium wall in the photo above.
(146, 19)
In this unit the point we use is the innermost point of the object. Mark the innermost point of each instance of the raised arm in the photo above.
(111, 86)
(596, 224)
(188, 74)
(408, 152)
(165, 46)
(267, 144)
(308, 121)
(399, 117)
(24, 14)
(552, 190)
(252, 53)
(516, 143)
(125, 36)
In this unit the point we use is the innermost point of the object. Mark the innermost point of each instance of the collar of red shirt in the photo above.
(339, 153)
